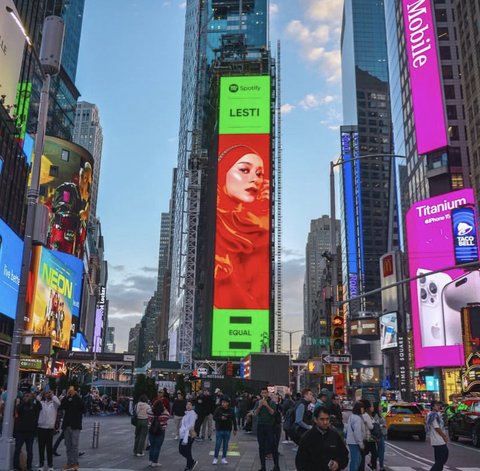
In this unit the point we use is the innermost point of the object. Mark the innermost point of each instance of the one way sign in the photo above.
(330, 358)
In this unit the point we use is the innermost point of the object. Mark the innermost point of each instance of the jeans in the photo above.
(72, 437)
(20, 439)
(266, 442)
(370, 449)
(441, 457)
(141, 431)
(207, 426)
(223, 436)
(381, 451)
(186, 451)
(355, 457)
(156, 442)
(45, 440)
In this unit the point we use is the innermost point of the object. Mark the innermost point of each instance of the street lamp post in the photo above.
(49, 63)
(290, 334)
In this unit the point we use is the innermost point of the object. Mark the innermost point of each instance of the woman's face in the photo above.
(244, 180)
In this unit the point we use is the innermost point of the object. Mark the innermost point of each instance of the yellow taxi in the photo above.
(405, 418)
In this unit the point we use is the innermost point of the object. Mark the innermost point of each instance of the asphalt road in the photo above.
(115, 451)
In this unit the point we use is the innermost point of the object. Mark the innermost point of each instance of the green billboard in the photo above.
(238, 332)
(245, 105)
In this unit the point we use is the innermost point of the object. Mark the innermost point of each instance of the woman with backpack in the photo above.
(370, 435)
(380, 432)
(157, 418)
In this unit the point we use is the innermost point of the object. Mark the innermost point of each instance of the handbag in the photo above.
(134, 418)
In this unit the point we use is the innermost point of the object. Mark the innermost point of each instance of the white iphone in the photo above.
(456, 295)
(429, 291)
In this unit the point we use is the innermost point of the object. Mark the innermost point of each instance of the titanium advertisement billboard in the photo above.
(425, 80)
(11, 247)
(65, 188)
(53, 295)
(388, 331)
(435, 230)
(12, 43)
(242, 269)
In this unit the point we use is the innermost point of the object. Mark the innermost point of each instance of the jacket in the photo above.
(26, 416)
(48, 414)
(141, 409)
(303, 415)
(355, 430)
(224, 419)
(187, 424)
(179, 406)
(74, 409)
(317, 448)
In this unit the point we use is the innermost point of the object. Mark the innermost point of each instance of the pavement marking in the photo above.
(423, 461)
(469, 469)
(405, 468)
(465, 446)
(229, 453)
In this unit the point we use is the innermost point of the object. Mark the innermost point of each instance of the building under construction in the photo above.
(226, 48)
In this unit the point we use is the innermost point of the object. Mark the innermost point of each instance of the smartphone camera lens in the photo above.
(423, 280)
(433, 288)
(423, 294)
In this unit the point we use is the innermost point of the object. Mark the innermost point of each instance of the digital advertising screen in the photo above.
(437, 299)
(242, 268)
(11, 247)
(388, 331)
(65, 188)
(465, 235)
(52, 297)
(367, 327)
(425, 81)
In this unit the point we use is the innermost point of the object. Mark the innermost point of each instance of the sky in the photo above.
(130, 66)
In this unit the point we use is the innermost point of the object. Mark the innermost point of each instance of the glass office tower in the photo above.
(367, 131)
(236, 30)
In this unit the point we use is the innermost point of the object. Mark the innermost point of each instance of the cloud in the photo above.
(130, 295)
(318, 35)
(311, 101)
(287, 108)
(274, 8)
(117, 267)
(150, 269)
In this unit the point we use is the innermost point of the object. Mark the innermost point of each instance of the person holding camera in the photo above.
(321, 448)
(46, 425)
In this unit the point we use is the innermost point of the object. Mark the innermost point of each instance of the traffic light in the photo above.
(338, 333)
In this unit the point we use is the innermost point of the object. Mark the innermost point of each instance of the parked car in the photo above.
(466, 422)
(405, 417)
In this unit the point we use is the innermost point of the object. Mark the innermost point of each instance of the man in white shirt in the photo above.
(438, 437)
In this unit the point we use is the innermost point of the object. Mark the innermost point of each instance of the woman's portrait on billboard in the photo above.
(242, 250)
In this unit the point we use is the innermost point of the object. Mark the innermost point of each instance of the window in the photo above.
(445, 53)
(441, 15)
(451, 112)
(453, 133)
(442, 34)
(53, 171)
(65, 155)
(449, 92)
(447, 71)
(457, 181)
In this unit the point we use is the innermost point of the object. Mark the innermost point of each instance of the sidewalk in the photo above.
(115, 450)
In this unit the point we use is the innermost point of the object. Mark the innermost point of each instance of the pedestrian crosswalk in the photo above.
(423, 468)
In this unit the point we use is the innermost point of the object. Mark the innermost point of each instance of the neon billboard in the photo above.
(438, 298)
(242, 269)
(425, 81)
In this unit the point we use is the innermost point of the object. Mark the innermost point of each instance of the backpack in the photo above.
(376, 431)
(289, 419)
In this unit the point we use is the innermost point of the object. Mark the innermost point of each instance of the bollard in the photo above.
(96, 434)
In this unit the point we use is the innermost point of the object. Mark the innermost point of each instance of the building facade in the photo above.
(88, 133)
(366, 202)
(222, 37)
(467, 27)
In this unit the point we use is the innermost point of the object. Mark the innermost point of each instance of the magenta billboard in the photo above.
(425, 81)
(433, 234)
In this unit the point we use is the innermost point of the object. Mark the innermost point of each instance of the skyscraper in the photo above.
(443, 168)
(88, 133)
(468, 21)
(317, 251)
(365, 183)
(222, 37)
(63, 92)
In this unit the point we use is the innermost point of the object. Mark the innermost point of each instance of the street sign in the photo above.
(330, 358)
(318, 341)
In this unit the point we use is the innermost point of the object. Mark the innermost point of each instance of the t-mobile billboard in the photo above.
(427, 95)
(437, 299)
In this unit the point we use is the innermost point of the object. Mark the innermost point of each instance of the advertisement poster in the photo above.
(11, 247)
(359, 327)
(242, 272)
(65, 188)
(53, 296)
(425, 82)
(388, 331)
(437, 299)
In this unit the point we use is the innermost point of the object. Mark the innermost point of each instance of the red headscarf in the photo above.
(242, 255)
